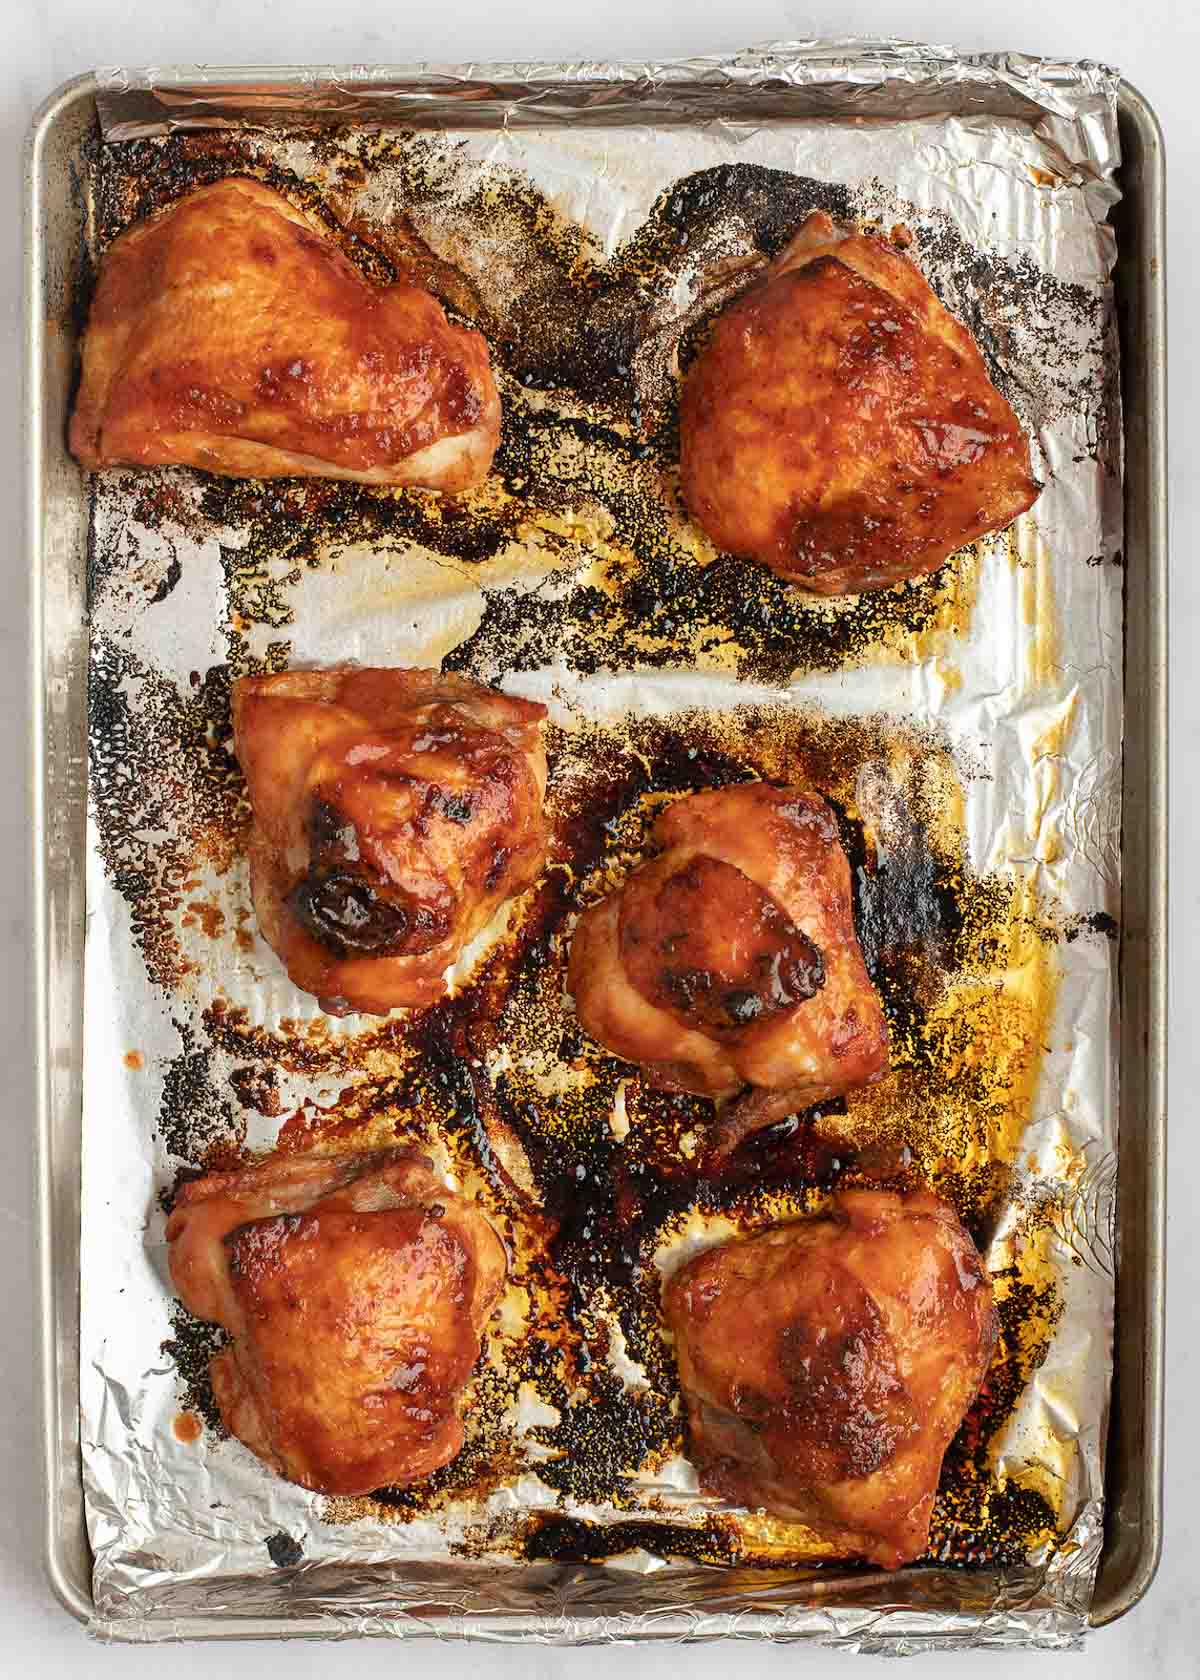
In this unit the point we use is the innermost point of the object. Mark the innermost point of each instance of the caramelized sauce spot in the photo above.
(709, 945)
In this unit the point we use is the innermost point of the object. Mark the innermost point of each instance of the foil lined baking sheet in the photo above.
(967, 728)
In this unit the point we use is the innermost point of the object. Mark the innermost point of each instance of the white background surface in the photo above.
(1156, 43)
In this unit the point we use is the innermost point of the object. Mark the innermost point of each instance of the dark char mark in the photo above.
(575, 324)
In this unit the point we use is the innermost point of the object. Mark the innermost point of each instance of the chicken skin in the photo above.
(229, 332)
(840, 426)
(394, 812)
(731, 960)
(828, 1363)
(356, 1289)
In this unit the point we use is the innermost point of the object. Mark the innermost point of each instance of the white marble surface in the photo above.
(1157, 45)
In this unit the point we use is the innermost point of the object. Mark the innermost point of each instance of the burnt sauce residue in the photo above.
(525, 1108)
(588, 352)
(582, 553)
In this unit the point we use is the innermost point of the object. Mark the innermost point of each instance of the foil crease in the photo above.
(1024, 152)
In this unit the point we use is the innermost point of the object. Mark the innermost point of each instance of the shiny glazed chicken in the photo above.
(828, 1363)
(230, 332)
(840, 425)
(356, 1289)
(394, 812)
(731, 960)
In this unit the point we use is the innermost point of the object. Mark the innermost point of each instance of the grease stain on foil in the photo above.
(577, 553)
(500, 1084)
(582, 508)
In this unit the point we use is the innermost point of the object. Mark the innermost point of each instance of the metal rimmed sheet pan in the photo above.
(58, 525)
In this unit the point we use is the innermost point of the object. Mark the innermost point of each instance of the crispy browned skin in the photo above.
(356, 1289)
(828, 1363)
(840, 426)
(731, 959)
(230, 332)
(394, 812)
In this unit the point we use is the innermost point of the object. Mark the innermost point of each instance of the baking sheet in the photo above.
(987, 698)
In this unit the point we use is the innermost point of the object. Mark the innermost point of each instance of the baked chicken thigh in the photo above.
(230, 332)
(828, 1363)
(730, 960)
(840, 425)
(394, 812)
(356, 1289)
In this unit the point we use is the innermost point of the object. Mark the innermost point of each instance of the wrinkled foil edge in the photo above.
(846, 77)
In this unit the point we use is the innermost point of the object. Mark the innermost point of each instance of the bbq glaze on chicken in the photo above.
(394, 812)
(730, 960)
(840, 425)
(230, 332)
(827, 1364)
(356, 1289)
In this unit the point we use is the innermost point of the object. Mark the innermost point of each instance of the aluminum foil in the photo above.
(969, 727)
